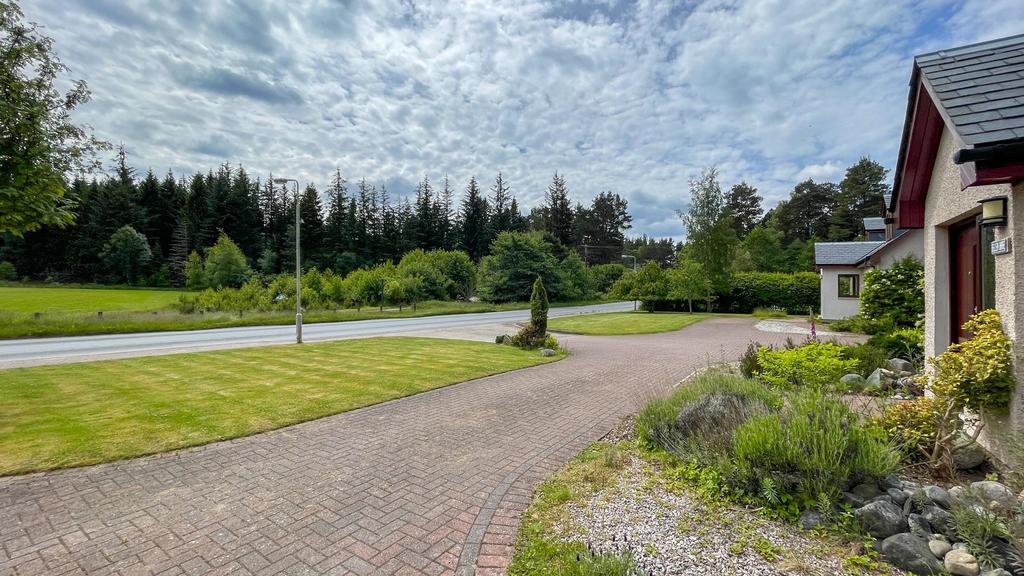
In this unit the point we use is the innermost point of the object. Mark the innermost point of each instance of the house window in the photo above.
(849, 286)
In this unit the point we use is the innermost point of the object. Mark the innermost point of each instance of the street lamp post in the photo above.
(298, 261)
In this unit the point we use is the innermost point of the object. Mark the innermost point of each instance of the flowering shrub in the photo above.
(816, 365)
(896, 293)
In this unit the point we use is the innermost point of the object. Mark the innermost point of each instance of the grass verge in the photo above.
(536, 551)
(624, 323)
(55, 321)
(72, 415)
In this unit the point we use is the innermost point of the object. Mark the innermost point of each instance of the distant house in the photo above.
(838, 263)
(841, 265)
(959, 180)
(874, 229)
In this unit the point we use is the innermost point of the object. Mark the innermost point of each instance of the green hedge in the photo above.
(794, 292)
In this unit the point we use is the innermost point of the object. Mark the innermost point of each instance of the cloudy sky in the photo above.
(622, 96)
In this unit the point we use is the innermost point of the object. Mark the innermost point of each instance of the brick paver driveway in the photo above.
(431, 484)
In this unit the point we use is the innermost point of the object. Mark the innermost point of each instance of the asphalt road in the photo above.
(38, 351)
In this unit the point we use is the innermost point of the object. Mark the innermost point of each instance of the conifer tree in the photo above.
(311, 233)
(559, 223)
(474, 222)
(334, 226)
(744, 205)
(445, 236)
(502, 204)
(178, 252)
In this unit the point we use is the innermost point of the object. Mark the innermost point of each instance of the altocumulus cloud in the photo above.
(622, 96)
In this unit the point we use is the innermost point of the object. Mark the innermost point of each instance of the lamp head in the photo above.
(993, 211)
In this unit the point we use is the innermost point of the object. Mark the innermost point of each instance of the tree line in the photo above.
(735, 254)
(345, 226)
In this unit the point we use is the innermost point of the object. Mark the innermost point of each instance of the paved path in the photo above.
(430, 484)
(36, 351)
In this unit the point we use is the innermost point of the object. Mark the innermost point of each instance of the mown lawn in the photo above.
(32, 299)
(77, 414)
(73, 312)
(620, 323)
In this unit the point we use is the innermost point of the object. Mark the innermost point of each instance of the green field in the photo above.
(76, 414)
(32, 299)
(73, 312)
(623, 323)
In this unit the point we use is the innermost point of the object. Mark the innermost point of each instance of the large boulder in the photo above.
(937, 495)
(715, 416)
(957, 494)
(867, 491)
(891, 481)
(881, 519)
(899, 365)
(880, 379)
(811, 519)
(939, 547)
(911, 553)
(898, 497)
(961, 563)
(940, 520)
(967, 454)
(918, 525)
(852, 500)
(994, 495)
(852, 382)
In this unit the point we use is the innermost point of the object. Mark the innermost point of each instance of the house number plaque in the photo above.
(1001, 246)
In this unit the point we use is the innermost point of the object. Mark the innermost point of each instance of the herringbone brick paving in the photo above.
(430, 484)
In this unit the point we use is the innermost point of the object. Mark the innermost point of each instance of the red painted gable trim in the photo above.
(916, 169)
(985, 175)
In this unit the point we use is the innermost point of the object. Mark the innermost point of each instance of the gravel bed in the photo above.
(670, 533)
(784, 327)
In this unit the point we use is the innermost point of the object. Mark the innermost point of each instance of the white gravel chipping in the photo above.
(670, 533)
(784, 327)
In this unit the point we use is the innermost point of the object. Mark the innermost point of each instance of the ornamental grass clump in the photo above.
(699, 418)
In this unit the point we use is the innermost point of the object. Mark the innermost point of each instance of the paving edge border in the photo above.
(474, 539)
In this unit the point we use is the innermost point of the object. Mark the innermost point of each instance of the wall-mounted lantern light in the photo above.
(993, 211)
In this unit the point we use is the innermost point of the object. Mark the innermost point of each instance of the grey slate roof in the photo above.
(842, 253)
(980, 88)
(874, 223)
(883, 245)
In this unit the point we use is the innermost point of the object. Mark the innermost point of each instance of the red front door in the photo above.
(965, 266)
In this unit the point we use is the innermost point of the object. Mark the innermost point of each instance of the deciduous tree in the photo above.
(710, 238)
(40, 142)
(126, 255)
